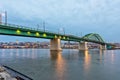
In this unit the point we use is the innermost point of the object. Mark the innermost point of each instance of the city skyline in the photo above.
(77, 17)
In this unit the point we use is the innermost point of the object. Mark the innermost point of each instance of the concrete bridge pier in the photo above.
(102, 47)
(83, 46)
(55, 44)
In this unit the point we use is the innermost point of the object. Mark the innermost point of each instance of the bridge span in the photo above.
(55, 38)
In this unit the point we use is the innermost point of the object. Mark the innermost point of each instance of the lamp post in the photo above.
(38, 26)
(44, 26)
(58, 31)
(81, 34)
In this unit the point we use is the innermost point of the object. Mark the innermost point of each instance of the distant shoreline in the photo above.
(38, 48)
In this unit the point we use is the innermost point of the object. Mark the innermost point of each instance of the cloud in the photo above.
(89, 15)
(58, 10)
(62, 9)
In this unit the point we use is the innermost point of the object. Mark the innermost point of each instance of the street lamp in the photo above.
(81, 34)
(44, 26)
(58, 31)
(38, 26)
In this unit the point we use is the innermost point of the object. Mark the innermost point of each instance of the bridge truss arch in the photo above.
(94, 37)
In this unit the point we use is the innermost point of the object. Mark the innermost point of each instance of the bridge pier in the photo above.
(55, 44)
(83, 46)
(102, 47)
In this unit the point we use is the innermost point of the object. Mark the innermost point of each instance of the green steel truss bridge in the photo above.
(16, 30)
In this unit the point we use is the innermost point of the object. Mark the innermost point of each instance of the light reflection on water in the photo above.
(60, 64)
(87, 60)
(41, 64)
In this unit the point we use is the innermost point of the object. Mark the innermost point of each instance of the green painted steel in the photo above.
(17, 30)
(94, 36)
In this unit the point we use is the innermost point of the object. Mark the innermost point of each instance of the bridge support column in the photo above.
(83, 46)
(55, 44)
(102, 47)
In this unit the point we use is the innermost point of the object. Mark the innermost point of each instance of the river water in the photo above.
(70, 64)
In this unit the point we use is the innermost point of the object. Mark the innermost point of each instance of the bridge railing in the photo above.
(30, 28)
(17, 26)
(71, 37)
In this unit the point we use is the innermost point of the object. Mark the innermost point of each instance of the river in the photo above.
(70, 64)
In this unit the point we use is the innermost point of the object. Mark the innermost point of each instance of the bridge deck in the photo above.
(17, 30)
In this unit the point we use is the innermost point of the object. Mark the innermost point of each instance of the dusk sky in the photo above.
(77, 17)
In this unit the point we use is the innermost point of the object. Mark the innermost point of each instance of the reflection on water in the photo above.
(112, 57)
(60, 64)
(41, 64)
(101, 56)
(87, 60)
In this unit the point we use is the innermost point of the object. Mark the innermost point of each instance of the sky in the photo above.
(76, 17)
